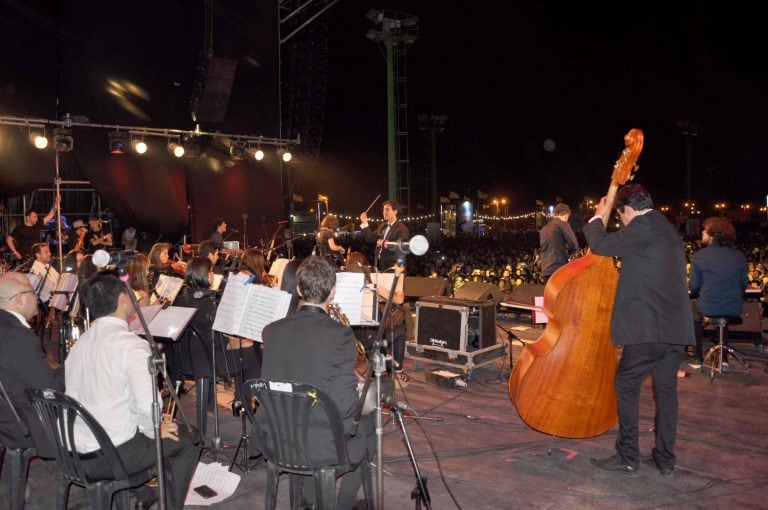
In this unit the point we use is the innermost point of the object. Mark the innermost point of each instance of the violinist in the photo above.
(253, 263)
(138, 271)
(160, 263)
(326, 243)
(98, 239)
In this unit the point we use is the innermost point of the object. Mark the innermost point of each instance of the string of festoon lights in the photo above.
(428, 217)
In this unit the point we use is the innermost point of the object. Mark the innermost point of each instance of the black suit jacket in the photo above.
(652, 303)
(310, 347)
(23, 364)
(398, 232)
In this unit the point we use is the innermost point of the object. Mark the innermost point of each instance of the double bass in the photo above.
(562, 384)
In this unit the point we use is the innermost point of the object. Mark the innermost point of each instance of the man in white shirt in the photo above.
(107, 372)
(42, 268)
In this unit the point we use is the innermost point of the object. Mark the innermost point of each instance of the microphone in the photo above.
(418, 245)
(400, 405)
(283, 222)
(233, 230)
(102, 258)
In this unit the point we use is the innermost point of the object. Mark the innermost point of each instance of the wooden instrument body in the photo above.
(562, 383)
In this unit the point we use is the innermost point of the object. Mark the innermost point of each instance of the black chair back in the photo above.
(59, 413)
(286, 446)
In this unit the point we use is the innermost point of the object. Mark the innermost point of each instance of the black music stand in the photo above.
(246, 465)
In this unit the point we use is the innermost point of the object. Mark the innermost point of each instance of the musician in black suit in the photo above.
(310, 347)
(651, 318)
(391, 229)
(23, 364)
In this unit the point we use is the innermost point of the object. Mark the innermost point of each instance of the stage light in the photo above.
(284, 154)
(62, 140)
(140, 146)
(237, 151)
(258, 154)
(176, 149)
(39, 140)
(117, 143)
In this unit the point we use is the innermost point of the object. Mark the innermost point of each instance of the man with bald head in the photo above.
(23, 364)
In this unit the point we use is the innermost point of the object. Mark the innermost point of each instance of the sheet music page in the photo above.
(264, 305)
(67, 283)
(149, 312)
(171, 322)
(168, 287)
(217, 279)
(230, 311)
(349, 295)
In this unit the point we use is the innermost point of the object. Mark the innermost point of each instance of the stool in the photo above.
(714, 357)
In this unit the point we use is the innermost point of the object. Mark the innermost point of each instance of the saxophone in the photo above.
(361, 363)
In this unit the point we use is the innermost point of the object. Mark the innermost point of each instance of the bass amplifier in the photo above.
(455, 324)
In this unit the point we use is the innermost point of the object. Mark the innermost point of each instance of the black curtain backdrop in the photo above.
(136, 65)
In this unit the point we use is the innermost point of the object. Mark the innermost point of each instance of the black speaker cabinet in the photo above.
(455, 324)
(422, 286)
(479, 291)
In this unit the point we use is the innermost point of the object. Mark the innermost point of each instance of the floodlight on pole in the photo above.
(62, 139)
(38, 139)
(117, 142)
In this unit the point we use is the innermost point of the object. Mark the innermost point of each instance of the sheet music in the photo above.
(263, 306)
(67, 285)
(369, 314)
(168, 287)
(164, 323)
(349, 295)
(171, 322)
(217, 279)
(230, 311)
(149, 312)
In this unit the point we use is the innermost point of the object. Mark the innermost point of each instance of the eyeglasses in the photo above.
(30, 291)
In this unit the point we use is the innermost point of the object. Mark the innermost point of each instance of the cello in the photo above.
(562, 384)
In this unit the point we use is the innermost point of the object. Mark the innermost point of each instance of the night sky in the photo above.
(508, 75)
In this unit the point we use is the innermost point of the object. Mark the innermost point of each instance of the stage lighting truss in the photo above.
(121, 137)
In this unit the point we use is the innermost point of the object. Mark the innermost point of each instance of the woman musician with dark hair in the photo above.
(326, 246)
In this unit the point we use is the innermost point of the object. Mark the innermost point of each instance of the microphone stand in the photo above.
(156, 364)
(378, 367)
(245, 231)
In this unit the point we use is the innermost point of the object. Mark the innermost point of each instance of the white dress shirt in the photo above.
(52, 280)
(107, 372)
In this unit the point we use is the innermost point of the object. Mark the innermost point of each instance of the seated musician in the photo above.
(42, 267)
(138, 271)
(209, 250)
(23, 364)
(187, 356)
(160, 263)
(253, 263)
(98, 239)
(106, 371)
(718, 278)
(326, 242)
(310, 347)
